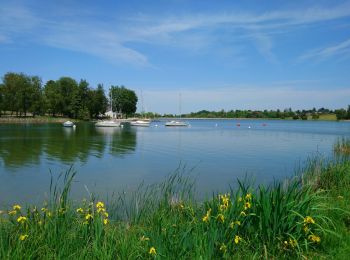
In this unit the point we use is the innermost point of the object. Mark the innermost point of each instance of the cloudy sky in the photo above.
(218, 54)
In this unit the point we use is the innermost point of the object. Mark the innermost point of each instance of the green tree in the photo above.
(97, 101)
(69, 98)
(124, 100)
(22, 93)
(340, 113)
(52, 98)
(1, 98)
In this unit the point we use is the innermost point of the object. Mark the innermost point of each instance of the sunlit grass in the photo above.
(304, 217)
(342, 146)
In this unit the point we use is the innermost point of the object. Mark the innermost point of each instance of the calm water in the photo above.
(110, 159)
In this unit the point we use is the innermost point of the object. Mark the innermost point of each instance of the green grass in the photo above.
(304, 217)
(330, 117)
(342, 146)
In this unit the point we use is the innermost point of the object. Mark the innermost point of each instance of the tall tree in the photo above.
(69, 99)
(52, 98)
(97, 101)
(124, 100)
(22, 93)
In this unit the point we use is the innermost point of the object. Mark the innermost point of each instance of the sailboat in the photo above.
(141, 122)
(108, 123)
(177, 122)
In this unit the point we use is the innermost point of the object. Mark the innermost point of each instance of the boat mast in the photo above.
(180, 104)
(142, 107)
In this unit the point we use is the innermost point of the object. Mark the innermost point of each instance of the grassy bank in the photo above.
(304, 217)
(32, 120)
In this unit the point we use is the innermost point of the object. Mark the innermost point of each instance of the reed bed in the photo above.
(304, 217)
(342, 146)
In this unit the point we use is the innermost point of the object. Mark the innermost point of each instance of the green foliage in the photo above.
(304, 217)
(342, 114)
(342, 146)
(124, 100)
(21, 93)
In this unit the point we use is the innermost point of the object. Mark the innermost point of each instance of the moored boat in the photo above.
(176, 123)
(143, 122)
(107, 123)
(68, 124)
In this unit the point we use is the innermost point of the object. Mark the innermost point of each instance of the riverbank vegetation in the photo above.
(22, 95)
(306, 216)
(312, 114)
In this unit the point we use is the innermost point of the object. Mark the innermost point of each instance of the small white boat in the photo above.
(176, 123)
(143, 122)
(107, 123)
(68, 124)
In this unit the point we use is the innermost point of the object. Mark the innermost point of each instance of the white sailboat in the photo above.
(68, 124)
(141, 122)
(177, 122)
(108, 123)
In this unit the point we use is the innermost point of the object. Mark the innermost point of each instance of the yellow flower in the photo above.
(306, 229)
(309, 220)
(315, 238)
(247, 205)
(21, 219)
(62, 211)
(223, 248)
(12, 212)
(105, 214)
(220, 218)
(43, 209)
(237, 239)
(88, 216)
(152, 251)
(182, 206)
(105, 221)
(243, 214)
(240, 199)
(23, 237)
(223, 207)
(143, 238)
(233, 223)
(225, 199)
(80, 210)
(100, 210)
(248, 196)
(49, 214)
(293, 242)
(100, 204)
(16, 207)
(206, 217)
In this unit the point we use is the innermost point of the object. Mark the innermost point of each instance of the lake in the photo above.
(107, 160)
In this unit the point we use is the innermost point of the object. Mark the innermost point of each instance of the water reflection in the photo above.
(23, 145)
(20, 145)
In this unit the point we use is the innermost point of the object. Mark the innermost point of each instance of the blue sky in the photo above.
(217, 54)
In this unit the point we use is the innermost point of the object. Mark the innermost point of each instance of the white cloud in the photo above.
(112, 40)
(327, 52)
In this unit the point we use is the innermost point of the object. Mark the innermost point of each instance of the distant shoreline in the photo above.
(40, 119)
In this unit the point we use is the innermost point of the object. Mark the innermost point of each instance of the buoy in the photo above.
(238, 124)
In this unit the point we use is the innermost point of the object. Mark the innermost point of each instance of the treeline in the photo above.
(278, 114)
(22, 95)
